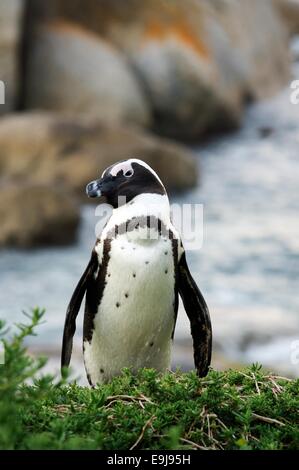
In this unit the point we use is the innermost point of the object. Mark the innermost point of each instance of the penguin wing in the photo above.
(73, 310)
(198, 314)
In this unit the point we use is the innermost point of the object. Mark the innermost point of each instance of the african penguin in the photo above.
(132, 282)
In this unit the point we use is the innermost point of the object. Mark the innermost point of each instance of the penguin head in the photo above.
(124, 180)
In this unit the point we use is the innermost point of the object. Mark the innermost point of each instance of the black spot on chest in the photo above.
(95, 288)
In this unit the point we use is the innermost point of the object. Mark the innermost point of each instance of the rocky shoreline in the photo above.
(96, 87)
(47, 158)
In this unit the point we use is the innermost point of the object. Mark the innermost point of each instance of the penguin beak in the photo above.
(93, 189)
(101, 187)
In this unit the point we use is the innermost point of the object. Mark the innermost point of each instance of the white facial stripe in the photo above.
(127, 166)
(122, 166)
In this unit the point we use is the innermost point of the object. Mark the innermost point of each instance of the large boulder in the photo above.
(70, 151)
(33, 215)
(289, 10)
(71, 69)
(258, 45)
(11, 12)
(198, 60)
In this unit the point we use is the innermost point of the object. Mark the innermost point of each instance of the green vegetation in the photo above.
(247, 409)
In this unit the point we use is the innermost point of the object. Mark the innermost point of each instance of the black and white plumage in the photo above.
(136, 271)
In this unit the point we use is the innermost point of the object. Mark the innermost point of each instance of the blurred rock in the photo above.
(33, 215)
(198, 61)
(289, 10)
(258, 44)
(10, 32)
(54, 149)
(72, 69)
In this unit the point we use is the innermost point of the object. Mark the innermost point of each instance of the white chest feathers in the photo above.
(136, 315)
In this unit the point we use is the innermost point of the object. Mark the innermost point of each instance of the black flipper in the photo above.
(198, 314)
(73, 310)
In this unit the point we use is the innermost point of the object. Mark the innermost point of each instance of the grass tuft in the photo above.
(248, 409)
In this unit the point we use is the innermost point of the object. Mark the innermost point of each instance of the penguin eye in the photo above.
(129, 173)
